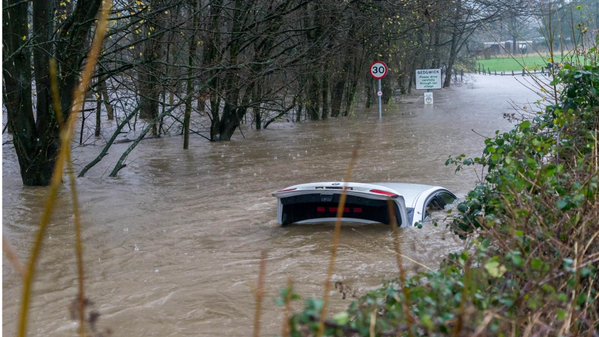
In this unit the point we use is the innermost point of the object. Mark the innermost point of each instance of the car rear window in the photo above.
(318, 206)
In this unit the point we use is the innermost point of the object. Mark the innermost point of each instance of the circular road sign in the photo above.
(379, 70)
(379, 93)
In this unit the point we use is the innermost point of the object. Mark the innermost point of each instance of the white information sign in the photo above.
(427, 79)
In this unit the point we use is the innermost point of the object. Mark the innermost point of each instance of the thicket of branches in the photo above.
(204, 67)
(255, 61)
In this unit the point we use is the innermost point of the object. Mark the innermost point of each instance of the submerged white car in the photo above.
(365, 203)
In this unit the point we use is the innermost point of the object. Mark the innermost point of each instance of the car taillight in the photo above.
(333, 210)
(385, 193)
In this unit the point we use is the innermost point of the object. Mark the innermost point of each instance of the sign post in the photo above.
(428, 79)
(378, 71)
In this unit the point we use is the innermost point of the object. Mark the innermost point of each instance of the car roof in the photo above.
(410, 192)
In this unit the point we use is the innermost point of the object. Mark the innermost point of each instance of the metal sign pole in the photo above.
(378, 71)
(380, 99)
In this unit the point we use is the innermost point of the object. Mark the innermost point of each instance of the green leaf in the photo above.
(561, 314)
(516, 258)
(537, 264)
(494, 268)
(564, 204)
(341, 318)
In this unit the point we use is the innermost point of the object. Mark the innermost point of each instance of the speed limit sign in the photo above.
(379, 70)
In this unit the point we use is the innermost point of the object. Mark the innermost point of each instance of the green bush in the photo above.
(534, 223)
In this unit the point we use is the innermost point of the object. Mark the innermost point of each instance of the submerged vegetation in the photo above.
(531, 268)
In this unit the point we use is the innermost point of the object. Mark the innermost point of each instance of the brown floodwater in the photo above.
(173, 245)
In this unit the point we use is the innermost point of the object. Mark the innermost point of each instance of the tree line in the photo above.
(205, 67)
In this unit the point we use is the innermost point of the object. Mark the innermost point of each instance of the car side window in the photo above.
(437, 202)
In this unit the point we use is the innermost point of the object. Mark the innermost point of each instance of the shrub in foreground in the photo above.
(534, 227)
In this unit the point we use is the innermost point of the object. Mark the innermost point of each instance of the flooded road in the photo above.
(173, 245)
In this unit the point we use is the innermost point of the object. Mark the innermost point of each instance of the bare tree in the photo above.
(36, 133)
(253, 62)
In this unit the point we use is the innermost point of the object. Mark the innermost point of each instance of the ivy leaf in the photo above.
(341, 318)
(494, 268)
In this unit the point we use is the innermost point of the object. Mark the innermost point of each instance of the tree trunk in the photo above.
(341, 82)
(337, 97)
(233, 110)
(71, 49)
(355, 76)
(313, 99)
(98, 129)
(36, 139)
(369, 92)
(298, 113)
(150, 73)
(149, 91)
(325, 95)
(256, 109)
(190, 81)
(211, 58)
(17, 96)
(103, 92)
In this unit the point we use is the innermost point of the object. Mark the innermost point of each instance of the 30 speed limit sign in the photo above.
(379, 70)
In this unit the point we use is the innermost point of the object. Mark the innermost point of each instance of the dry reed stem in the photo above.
(566, 327)
(78, 246)
(481, 328)
(596, 152)
(260, 293)
(12, 257)
(75, 199)
(420, 264)
(335, 244)
(372, 327)
(66, 135)
(402, 271)
(532, 322)
(459, 326)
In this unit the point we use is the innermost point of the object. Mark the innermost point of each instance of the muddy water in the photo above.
(172, 246)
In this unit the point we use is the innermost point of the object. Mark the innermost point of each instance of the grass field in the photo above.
(516, 63)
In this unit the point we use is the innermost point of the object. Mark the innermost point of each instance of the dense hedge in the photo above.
(534, 224)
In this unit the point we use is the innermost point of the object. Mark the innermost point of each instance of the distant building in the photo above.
(490, 49)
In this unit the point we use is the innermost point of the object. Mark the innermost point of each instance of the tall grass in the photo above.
(260, 294)
(335, 244)
(407, 303)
